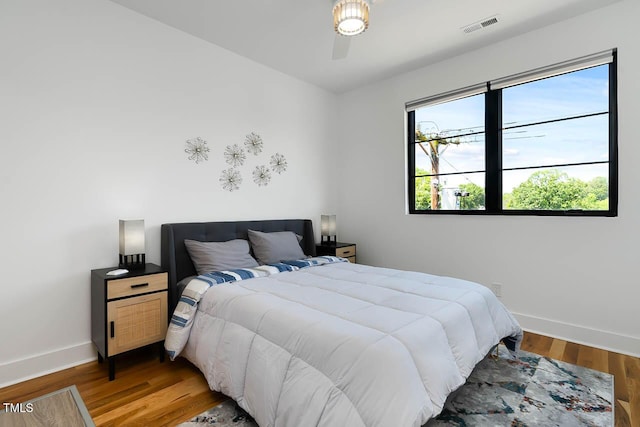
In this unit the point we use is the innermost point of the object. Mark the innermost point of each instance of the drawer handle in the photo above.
(346, 252)
(113, 329)
(141, 285)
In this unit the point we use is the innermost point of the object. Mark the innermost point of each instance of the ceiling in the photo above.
(296, 36)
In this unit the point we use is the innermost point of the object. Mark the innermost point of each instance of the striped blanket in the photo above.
(182, 318)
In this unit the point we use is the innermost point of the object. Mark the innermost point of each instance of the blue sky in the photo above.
(581, 140)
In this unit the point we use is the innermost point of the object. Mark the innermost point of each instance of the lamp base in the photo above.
(329, 240)
(132, 262)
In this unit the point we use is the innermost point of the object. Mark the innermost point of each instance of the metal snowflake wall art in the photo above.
(278, 163)
(237, 157)
(230, 179)
(253, 143)
(234, 155)
(198, 149)
(261, 175)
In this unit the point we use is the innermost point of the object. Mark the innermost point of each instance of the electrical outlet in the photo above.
(497, 289)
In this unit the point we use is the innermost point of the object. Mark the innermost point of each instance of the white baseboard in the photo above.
(605, 340)
(37, 365)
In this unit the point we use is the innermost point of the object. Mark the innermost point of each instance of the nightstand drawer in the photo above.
(343, 250)
(346, 252)
(121, 288)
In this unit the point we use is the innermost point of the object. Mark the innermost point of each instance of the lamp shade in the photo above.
(131, 237)
(328, 227)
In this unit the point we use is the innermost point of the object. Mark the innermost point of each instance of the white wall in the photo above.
(96, 103)
(569, 277)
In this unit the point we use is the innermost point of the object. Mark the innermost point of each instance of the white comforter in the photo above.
(344, 344)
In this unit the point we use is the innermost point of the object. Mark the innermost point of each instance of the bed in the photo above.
(324, 342)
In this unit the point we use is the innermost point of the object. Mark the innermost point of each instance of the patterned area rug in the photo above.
(530, 391)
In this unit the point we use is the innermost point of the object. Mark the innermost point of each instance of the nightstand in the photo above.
(128, 311)
(344, 250)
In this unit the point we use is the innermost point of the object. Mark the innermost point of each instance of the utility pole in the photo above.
(435, 139)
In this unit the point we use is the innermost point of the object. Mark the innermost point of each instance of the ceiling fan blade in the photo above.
(340, 47)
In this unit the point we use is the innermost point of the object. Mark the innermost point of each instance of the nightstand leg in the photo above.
(161, 351)
(100, 358)
(112, 368)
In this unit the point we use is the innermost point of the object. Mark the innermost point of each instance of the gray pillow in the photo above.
(275, 247)
(216, 256)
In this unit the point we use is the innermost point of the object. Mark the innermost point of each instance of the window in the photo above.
(538, 143)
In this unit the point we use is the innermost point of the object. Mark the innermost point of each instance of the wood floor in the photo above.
(149, 393)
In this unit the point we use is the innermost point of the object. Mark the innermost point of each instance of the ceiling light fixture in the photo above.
(350, 17)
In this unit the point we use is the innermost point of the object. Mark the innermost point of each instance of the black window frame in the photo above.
(493, 159)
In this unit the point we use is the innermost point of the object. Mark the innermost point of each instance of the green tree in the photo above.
(597, 197)
(554, 190)
(599, 187)
(423, 190)
(475, 199)
(506, 200)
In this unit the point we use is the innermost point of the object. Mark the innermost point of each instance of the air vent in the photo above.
(489, 21)
(471, 28)
(480, 24)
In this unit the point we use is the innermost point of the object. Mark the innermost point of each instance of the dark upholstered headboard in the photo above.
(175, 258)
